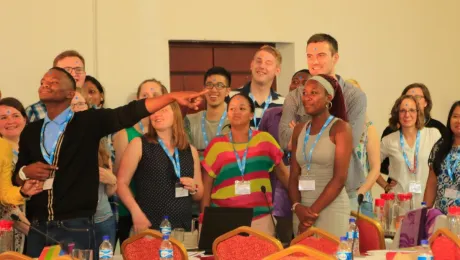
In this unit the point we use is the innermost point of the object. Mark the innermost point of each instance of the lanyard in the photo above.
(141, 127)
(49, 157)
(175, 161)
(241, 163)
(417, 146)
(307, 136)
(15, 152)
(267, 103)
(219, 127)
(452, 168)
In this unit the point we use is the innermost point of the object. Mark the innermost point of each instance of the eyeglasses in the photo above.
(410, 111)
(79, 104)
(78, 70)
(218, 86)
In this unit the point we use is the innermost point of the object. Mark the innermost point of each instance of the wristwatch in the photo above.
(22, 175)
(294, 205)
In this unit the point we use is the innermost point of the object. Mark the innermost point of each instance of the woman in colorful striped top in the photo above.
(238, 166)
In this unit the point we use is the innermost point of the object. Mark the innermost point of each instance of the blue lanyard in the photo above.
(219, 127)
(241, 163)
(49, 157)
(307, 136)
(15, 152)
(141, 127)
(176, 161)
(452, 168)
(417, 146)
(267, 103)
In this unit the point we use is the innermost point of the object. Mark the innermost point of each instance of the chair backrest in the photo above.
(146, 245)
(257, 245)
(445, 245)
(318, 239)
(299, 252)
(371, 234)
(10, 255)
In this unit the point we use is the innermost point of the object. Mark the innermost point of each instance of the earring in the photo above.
(329, 105)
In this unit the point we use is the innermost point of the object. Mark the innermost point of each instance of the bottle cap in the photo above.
(105, 237)
(166, 217)
(391, 195)
(343, 239)
(352, 220)
(424, 242)
(379, 202)
(165, 237)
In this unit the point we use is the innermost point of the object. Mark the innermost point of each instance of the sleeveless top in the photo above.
(155, 182)
(132, 133)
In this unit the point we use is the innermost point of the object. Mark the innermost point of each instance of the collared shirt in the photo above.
(356, 104)
(53, 127)
(36, 111)
(277, 101)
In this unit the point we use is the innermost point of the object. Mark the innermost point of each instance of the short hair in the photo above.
(68, 75)
(179, 136)
(394, 116)
(218, 71)
(322, 37)
(426, 95)
(14, 103)
(302, 71)
(251, 104)
(97, 84)
(273, 51)
(163, 88)
(66, 54)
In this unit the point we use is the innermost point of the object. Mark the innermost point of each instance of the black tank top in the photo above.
(155, 182)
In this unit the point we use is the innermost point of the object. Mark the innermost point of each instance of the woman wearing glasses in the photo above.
(104, 219)
(408, 149)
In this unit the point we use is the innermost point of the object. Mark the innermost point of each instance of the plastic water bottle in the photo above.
(344, 251)
(166, 249)
(423, 204)
(425, 252)
(105, 249)
(165, 226)
(352, 234)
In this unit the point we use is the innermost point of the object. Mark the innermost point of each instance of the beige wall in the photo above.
(385, 45)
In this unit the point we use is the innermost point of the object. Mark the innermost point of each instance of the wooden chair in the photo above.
(299, 252)
(10, 255)
(445, 245)
(147, 243)
(371, 233)
(318, 239)
(232, 245)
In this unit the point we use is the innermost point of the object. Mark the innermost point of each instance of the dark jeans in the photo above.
(124, 227)
(105, 228)
(79, 231)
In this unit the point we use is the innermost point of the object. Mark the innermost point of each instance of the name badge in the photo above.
(306, 183)
(415, 187)
(181, 191)
(242, 187)
(48, 184)
(451, 193)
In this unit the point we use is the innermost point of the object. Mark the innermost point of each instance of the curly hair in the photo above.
(394, 116)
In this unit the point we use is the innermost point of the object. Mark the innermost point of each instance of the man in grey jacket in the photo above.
(322, 56)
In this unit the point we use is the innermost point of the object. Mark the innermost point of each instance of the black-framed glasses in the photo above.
(218, 86)
(410, 111)
(77, 70)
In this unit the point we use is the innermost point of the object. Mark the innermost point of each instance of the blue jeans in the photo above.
(105, 228)
(79, 231)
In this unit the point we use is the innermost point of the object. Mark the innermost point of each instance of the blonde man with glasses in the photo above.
(74, 63)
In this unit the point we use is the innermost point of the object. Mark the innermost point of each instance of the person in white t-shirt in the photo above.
(408, 149)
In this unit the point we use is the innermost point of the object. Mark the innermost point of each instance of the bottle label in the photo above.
(352, 234)
(166, 253)
(105, 254)
(344, 255)
(165, 230)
